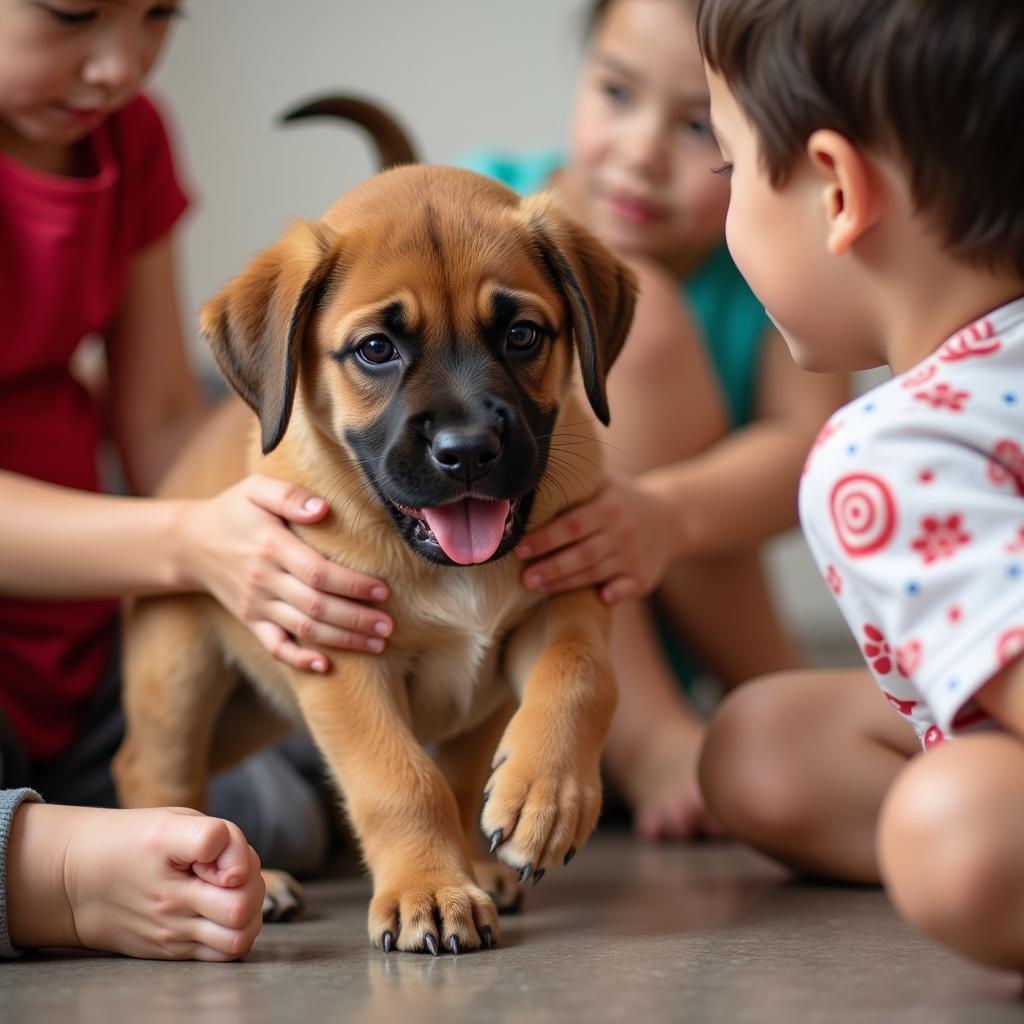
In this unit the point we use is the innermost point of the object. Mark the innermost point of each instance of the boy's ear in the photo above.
(850, 189)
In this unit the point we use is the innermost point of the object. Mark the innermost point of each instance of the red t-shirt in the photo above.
(66, 247)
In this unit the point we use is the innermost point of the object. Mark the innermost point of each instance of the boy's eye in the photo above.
(69, 17)
(725, 170)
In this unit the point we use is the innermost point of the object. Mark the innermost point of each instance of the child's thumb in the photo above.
(218, 852)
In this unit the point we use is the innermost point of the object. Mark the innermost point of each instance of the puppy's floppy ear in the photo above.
(256, 325)
(599, 288)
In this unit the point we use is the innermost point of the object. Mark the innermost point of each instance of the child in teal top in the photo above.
(711, 419)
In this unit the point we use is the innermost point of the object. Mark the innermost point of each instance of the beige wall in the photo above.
(460, 73)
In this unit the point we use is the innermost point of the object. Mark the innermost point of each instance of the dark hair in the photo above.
(593, 16)
(936, 84)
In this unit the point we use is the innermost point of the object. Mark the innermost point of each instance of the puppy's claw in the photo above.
(388, 942)
(431, 943)
(487, 796)
(569, 856)
(538, 875)
(453, 945)
(525, 873)
(495, 839)
(487, 936)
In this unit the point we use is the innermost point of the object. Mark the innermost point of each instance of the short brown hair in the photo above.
(937, 84)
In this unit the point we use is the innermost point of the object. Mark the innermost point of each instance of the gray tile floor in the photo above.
(627, 933)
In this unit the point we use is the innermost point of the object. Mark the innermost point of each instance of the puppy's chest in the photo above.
(453, 633)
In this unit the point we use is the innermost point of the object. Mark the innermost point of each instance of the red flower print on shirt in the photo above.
(977, 340)
(1017, 544)
(955, 614)
(940, 538)
(1006, 463)
(933, 737)
(943, 396)
(1010, 646)
(834, 580)
(926, 476)
(863, 512)
(877, 650)
(908, 658)
(920, 376)
(904, 707)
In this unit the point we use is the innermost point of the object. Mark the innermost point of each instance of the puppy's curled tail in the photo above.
(390, 138)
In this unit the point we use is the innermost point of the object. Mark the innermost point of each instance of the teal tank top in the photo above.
(733, 321)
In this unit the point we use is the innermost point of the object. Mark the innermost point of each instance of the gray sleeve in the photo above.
(10, 801)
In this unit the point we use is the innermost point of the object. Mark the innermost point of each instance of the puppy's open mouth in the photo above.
(468, 531)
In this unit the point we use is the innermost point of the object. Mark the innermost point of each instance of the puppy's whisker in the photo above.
(590, 440)
(563, 457)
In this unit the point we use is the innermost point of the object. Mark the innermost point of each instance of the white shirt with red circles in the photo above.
(912, 502)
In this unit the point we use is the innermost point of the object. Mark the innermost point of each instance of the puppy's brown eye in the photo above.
(523, 336)
(377, 350)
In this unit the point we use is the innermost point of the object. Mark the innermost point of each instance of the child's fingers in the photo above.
(279, 644)
(190, 837)
(323, 617)
(217, 943)
(234, 908)
(587, 561)
(231, 865)
(590, 575)
(622, 588)
(289, 501)
(323, 575)
(566, 529)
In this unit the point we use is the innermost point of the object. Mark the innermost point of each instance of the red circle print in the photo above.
(1010, 646)
(863, 513)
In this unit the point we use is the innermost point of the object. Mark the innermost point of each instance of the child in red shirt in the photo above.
(88, 201)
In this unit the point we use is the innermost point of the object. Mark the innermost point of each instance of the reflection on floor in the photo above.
(702, 933)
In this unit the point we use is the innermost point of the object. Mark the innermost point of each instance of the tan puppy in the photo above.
(411, 358)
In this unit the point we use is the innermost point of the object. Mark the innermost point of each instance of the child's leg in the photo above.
(163, 883)
(652, 749)
(798, 765)
(723, 610)
(951, 846)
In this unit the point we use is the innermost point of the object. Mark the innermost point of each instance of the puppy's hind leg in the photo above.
(465, 762)
(175, 684)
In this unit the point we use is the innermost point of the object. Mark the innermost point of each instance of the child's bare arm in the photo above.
(56, 542)
(155, 400)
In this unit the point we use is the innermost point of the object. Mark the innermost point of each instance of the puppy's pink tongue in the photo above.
(469, 531)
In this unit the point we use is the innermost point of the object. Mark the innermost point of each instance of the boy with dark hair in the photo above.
(875, 159)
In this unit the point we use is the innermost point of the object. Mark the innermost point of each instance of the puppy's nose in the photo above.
(468, 452)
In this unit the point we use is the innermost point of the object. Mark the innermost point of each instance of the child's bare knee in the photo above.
(943, 866)
(748, 779)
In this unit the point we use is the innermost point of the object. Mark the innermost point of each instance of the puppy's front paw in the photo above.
(543, 797)
(432, 915)
(501, 883)
(283, 899)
